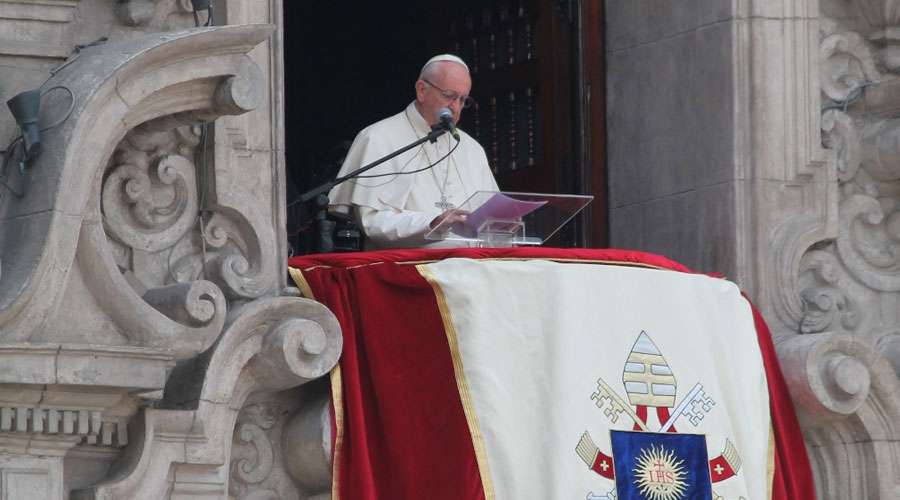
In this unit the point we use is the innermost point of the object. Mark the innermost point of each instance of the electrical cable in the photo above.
(203, 170)
(7, 154)
(201, 207)
(442, 158)
(439, 160)
(72, 57)
(309, 224)
(853, 95)
(68, 112)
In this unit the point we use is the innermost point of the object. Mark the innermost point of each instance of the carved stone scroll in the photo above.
(119, 187)
(846, 392)
(257, 470)
(837, 299)
(270, 345)
(307, 446)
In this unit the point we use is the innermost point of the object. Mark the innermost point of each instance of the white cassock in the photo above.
(395, 210)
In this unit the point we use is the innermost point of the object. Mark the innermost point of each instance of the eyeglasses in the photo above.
(464, 100)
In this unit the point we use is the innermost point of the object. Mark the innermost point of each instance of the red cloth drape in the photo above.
(403, 436)
(793, 477)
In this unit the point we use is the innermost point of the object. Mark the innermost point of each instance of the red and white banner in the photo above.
(551, 374)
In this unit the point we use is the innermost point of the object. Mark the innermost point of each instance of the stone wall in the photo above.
(670, 98)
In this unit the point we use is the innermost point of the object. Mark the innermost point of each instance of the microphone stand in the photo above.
(319, 194)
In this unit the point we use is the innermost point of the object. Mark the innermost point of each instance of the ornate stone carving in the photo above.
(307, 446)
(841, 136)
(133, 223)
(150, 194)
(869, 243)
(126, 254)
(846, 392)
(85, 426)
(59, 404)
(256, 468)
(826, 306)
(799, 231)
(880, 13)
(843, 379)
(160, 15)
(266, 349)
(246, 470)
(135, 12)
(196, 303)
(830, 379)
(847, 66)
(282, 446)
(163, 226)
(253, 431)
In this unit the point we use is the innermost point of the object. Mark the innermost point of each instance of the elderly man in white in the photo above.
(397, 210)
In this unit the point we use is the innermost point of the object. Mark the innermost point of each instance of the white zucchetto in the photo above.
(446, 57)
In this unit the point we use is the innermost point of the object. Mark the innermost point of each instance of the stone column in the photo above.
(672, 98)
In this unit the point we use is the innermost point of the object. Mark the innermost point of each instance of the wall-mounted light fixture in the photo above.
(25, 108)
(25, 148)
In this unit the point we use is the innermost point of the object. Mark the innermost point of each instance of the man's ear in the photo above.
(420, 90)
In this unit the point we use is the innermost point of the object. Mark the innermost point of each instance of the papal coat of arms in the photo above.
(663, 464)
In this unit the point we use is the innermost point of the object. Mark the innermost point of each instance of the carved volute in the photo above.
(121, 206)
(147, 349)
(842, 288)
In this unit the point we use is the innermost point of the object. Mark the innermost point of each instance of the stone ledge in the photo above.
(55, 397)
(129, 368)
(39, 28)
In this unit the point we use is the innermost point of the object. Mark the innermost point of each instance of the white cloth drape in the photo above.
(536, 338)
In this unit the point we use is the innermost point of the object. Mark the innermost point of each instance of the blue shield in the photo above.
(655, 466)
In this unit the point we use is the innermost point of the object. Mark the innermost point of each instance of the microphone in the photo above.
(445, 117)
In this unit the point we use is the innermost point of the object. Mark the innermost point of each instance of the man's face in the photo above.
(449, 81)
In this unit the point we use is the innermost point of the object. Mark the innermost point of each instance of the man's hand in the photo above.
(449, 218)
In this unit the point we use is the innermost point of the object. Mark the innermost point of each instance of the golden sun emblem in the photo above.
(660, 475)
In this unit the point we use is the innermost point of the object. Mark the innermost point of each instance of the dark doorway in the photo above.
(349, 64)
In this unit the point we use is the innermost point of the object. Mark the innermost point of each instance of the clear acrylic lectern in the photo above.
(506, 219)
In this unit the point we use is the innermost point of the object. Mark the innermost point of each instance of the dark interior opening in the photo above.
(347, 65)
(350, 64)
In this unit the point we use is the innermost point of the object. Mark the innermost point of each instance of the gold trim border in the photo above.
(551, 259)
(337, 395)
(337, 399)
(462, 384)
(301, 282)
(770, 465)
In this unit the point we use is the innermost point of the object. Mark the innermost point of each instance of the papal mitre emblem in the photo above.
(647, 377)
